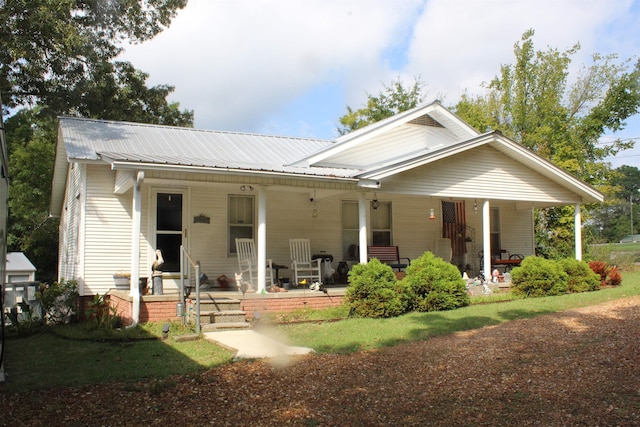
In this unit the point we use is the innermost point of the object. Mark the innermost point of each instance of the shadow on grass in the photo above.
(353, 335)
(49, 360)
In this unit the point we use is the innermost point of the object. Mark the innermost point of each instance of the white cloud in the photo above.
(459, 44)
(235, 61)
(291, 66)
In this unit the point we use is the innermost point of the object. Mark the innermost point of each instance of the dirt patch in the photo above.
(579, 367)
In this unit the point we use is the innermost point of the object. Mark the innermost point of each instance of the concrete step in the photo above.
(219, 327)
(229, 316)
(216, 305)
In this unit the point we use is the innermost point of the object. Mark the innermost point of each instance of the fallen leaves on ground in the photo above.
(579, 367)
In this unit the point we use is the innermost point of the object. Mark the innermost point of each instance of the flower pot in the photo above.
(122, 280)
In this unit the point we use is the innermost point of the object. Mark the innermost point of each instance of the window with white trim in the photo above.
(380, 233)
(169, 231)
(240, 220)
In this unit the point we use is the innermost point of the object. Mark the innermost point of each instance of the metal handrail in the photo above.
(196, 265)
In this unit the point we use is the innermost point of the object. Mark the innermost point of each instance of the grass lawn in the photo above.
(65, 358)
(352, 335)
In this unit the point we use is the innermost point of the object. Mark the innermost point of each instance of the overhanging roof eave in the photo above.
(123, 165)
(553, 172)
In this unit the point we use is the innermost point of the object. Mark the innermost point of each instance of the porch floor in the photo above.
(217, 293)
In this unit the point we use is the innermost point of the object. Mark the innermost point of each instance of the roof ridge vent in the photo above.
(425, 120)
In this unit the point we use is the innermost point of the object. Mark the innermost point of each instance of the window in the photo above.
(240, 220)
(495, 232)
(350, 229)
(381, 225)
(380, 228)
(17, 278)
(169, 216)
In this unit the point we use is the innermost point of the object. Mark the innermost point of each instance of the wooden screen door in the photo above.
(454, 227)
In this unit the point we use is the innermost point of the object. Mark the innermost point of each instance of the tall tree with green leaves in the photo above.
(620, 213)
(534, 102)
(57, 58)
(393, 99)
(50, 49)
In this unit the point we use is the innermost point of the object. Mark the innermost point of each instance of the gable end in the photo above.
(425, 120)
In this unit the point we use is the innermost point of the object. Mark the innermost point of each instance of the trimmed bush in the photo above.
(537, 277)
(609, 275)
(374, 291)
(580, 277)
(435, 285)
(614, 278)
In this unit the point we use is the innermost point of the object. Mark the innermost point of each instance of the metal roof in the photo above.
(18, 261)
(369, 154)
(91, 140)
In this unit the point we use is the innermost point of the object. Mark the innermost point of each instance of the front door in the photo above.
(170, 229)
(454, 226)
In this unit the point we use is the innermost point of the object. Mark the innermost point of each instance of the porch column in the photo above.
(135, 247)
(362, 223)
(262, 238)
(486, 239)
(577, 225)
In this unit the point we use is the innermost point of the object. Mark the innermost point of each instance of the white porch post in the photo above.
(577, 225)
(362, 223)
(135, 247)
(486, 239)
(262, 238)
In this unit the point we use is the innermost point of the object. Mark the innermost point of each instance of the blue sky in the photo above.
(290, 67)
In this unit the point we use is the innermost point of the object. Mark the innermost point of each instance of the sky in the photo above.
(291, 67)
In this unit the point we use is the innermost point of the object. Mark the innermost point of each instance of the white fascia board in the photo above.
(552, 171)
(424, 159)
(366, 133)
(121, 165)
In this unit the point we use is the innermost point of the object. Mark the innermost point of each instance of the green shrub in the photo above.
(435, 285)
(537, 277)
(59, 301)
(580, 277)
(103, 314)
(374, 292)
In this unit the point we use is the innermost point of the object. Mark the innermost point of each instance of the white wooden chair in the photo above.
(248, 264)
(304, 268)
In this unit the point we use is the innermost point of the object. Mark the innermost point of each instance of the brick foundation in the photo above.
(158, 308)
(161, 308)
(284, 304)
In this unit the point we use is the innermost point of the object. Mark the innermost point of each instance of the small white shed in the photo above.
(19, 268)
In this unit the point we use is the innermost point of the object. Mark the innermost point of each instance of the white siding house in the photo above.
(125, 189)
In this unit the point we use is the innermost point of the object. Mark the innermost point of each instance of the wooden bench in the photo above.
(388, 255)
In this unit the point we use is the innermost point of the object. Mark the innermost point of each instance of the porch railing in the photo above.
(186, 260)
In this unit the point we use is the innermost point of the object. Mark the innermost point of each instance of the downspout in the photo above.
(262, 238)
(135, 248)
(577, 225)
(362, 234)
(486, 240)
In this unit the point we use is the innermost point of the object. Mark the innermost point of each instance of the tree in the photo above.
(533, 102)
(390, 101)
(57, 56)
(50, 49)
(612, 220)
(118, 91)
